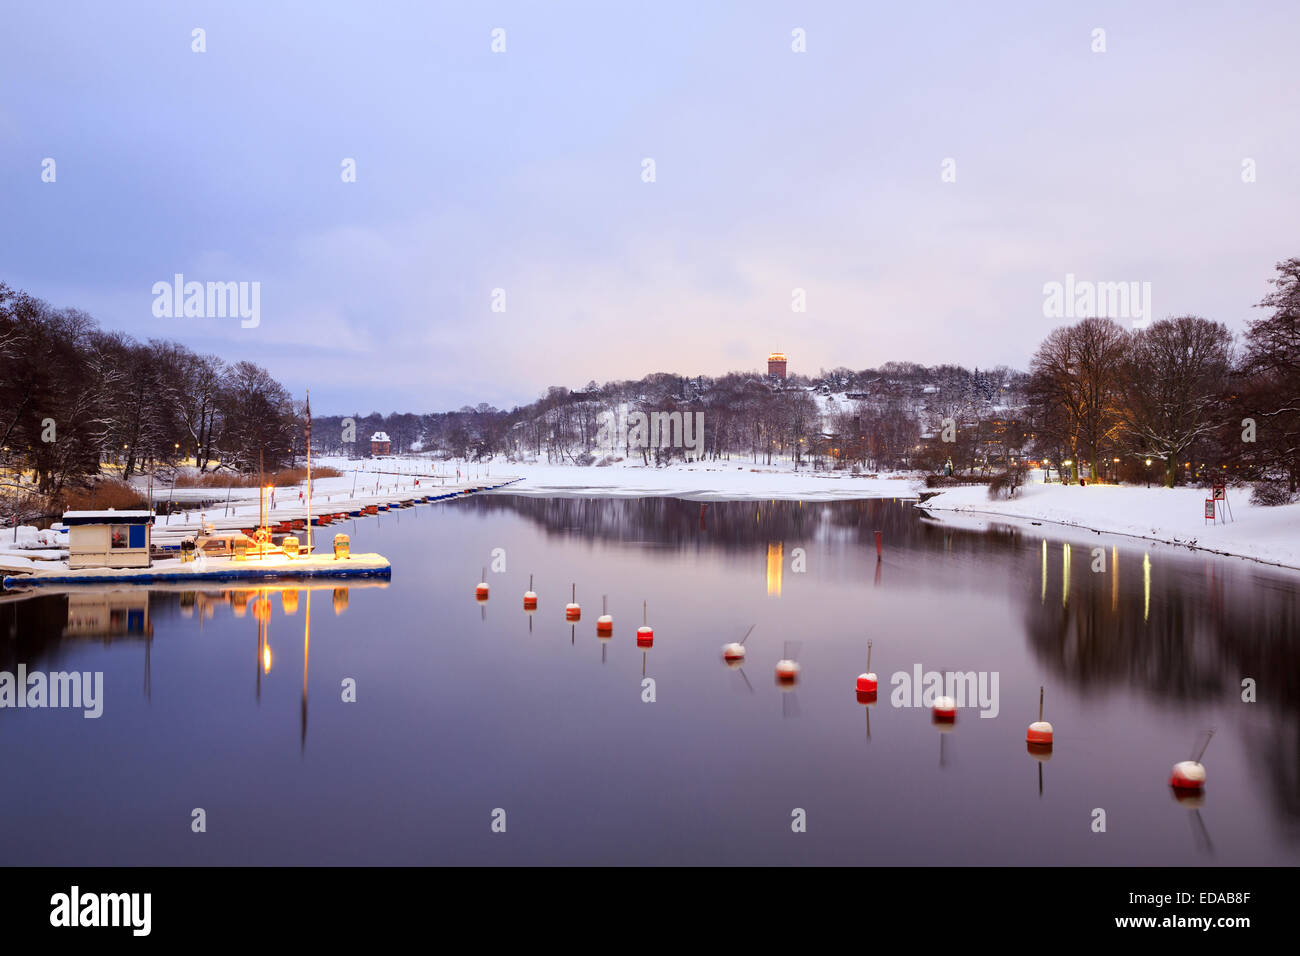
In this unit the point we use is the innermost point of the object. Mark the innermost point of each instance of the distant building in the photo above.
(776, 365)
(108, 539)
(380, 444)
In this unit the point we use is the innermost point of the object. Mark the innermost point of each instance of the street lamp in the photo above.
(1148, 472)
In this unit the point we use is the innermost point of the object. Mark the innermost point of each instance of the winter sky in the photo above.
(523, 171)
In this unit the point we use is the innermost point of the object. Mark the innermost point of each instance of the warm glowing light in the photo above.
(1043, 598)
(1114, 579)
(1148, 462)
(775, 567)
(266, 659)
(1065, 576)
(1146, 586)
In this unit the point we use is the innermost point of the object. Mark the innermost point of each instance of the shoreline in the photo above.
(1265, 535)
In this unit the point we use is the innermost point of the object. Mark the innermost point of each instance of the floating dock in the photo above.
(169, 530)
(37, 568)
(271, 567)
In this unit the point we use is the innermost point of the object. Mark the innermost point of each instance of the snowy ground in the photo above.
(706, 481)
(1171, 515)
(1174, 516)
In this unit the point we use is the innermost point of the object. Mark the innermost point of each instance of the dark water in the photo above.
(464, 708)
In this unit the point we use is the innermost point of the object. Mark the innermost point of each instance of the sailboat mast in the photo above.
(308, 526)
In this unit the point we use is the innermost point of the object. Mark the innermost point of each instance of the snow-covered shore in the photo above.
(704, 481)
(1169, 515)
(1172, 516)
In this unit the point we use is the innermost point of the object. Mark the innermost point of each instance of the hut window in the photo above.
(119, 533)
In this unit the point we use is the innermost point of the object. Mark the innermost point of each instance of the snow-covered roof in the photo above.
(108, 516)
(380, 436)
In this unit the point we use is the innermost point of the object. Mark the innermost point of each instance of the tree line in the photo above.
(76, 400)
(1182, 397)
(1182, 394)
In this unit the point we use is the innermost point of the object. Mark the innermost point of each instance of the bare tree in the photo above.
(1174, 374)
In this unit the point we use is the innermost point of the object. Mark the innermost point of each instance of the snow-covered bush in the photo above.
(1272, 493)
(1001, 486)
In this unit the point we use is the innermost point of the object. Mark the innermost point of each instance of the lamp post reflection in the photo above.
(775, 549)
(306, 655)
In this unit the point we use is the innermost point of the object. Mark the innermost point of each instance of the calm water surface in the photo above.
(229, 701)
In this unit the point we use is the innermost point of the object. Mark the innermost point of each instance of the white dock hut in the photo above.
(108, 539)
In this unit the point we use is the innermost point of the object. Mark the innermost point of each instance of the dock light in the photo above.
(604, 623)
(481, 589)
(530, 596)
(572, 610)
(945, 710)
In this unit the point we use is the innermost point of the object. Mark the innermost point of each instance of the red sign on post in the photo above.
(1209, 507)
(1219, 493)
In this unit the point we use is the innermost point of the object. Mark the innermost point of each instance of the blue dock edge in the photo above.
(241, 574)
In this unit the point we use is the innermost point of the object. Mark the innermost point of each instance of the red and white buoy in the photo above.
(530, 596)
(944, 710)
(604, 623)
(1040, 731)
(645, 634)
(867, 682)
(787, 668)
(735, 651)
(481, 590)
(1190, 774)
(572, 612)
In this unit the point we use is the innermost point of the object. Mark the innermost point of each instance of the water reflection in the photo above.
(1179, 626)
(1142, 650)
(113, 615)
